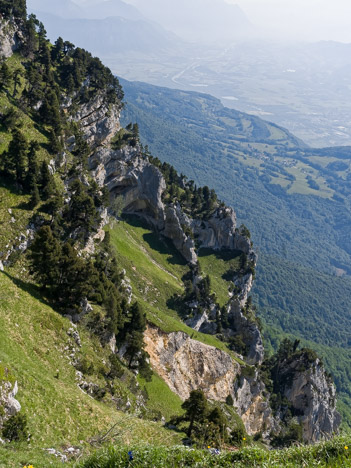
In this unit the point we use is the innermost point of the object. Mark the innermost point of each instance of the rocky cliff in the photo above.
(10, 37)
(186, 364)
(312, 396)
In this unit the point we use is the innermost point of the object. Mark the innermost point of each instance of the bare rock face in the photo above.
(99, 120)
(253, 406)
(217, 232)
(8, 403)
(249, 332)
(313, 396)
(220, 232)
(174, 230)
(186, 364)
(126, 173)
(244, 283)
(10, 38)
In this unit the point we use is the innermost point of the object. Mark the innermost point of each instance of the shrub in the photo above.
(15, 428)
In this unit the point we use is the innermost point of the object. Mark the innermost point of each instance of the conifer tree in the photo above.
(15, 159)
(47, 183)
(5, 76)
(33, 168)
(135, 331)
(195, 409)
(44, 255)
(34, 197)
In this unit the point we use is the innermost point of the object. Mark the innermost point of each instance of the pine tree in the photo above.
(16, 81)
(195, 409)
(50, 111)
(15, 159)
(33, 168)
(74, 278)
(135, 331)
(44, 255)
(46, 181)
(34, 197)
(54, 142)
(5, 76)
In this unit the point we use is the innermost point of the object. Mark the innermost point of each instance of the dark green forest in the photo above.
(302, 240)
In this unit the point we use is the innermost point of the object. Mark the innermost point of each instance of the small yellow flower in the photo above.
(208, 446)
(346, 448)
(244, 438)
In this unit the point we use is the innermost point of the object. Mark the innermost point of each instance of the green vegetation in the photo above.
(333, 454)
(204, 423)
(151, 263)
(221, 267)
(301, 234)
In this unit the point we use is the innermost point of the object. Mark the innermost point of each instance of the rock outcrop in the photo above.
(173, 230)
(186, 364)
(253, 405)
(312, 396)
(9, 406)
(249, 332)
(220, 232)
(10, 38)
(98, 119)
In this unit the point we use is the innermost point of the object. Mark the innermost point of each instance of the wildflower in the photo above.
(130, 453)
(208, 446)
(244, 438)
(346, 447)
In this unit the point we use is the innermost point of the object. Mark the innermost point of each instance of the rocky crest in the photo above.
(249, 332)
(99, 120)
(186, 364)
(313, 397)
(10, 38)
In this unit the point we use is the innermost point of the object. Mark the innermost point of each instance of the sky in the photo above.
(295, 19)
(304, 19)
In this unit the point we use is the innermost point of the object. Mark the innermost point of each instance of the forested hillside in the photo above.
(126, 316)
(295, 199)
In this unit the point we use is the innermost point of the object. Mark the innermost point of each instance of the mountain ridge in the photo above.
(67, 155)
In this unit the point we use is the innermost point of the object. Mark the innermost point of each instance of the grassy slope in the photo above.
(33, 338)
(155, 270)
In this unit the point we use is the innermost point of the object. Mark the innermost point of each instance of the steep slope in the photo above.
(273, 179)
(72, 168)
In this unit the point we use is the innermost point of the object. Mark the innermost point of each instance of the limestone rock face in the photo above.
(244, 283)
(313, 395)
(186, 364)
(217, 232)
(10, 38)
(253, 407)
(126, 173)
(249, 332)
(220, 232)
(99, 121)
(8, 402)
(174, 230)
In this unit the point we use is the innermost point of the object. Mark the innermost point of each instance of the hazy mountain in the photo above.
(109, 35)
(101, 10)
(198, 20)
(63, 8)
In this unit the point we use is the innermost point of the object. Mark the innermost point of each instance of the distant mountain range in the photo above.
(199, 20)
(114, 26)
(109, 35)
